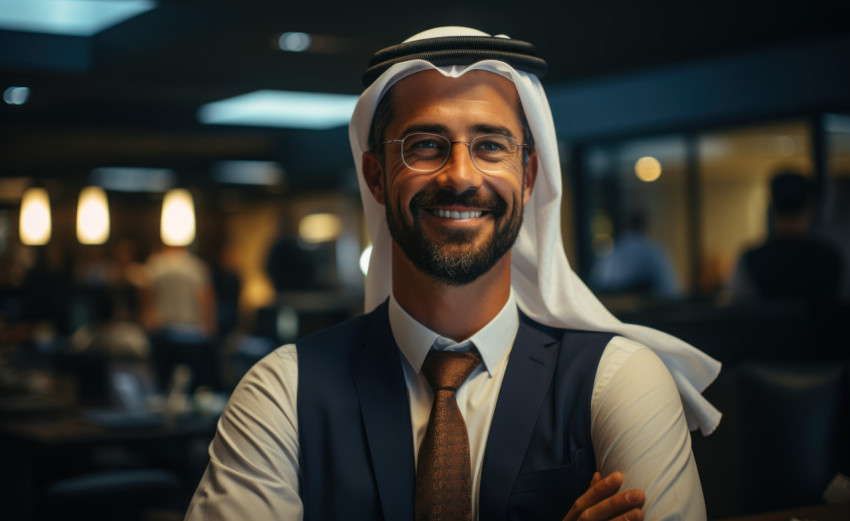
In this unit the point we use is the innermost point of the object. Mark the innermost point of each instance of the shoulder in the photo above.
(631, 367)
(273, 379)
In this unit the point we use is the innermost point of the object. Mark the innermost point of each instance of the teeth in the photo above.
(446, 214)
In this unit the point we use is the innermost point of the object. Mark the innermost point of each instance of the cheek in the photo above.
(508, 186)
(402, 184)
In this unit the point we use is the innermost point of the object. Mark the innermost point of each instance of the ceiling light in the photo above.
(35, 224)
(92, 216)
(257, 173)
(647, 169)
(69, 17)
(294, 41)
(319, 227)
(177, 227)
(132, 179)
(269, 108)
(16, 95)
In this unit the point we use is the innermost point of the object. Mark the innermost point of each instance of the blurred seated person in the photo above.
(637, 265)
(111, 343)
(791, 264)
(179, 310)
(112, 333)
(289, 266)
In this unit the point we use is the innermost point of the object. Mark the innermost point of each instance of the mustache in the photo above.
(471, 198)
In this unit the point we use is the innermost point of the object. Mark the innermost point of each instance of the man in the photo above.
(792, 264)
(455, 145)
(637, 265)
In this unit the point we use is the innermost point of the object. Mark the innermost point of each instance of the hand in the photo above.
(601, 502)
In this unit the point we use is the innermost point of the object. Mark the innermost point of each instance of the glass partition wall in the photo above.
(702, 198)
(636, 199)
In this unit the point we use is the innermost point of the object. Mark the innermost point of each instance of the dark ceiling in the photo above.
(129, 95)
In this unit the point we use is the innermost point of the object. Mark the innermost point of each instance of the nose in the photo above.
(459, 174)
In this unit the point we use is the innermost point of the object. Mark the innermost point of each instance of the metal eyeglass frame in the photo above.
(451, 147)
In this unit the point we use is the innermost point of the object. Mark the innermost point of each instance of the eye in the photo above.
(489, 146)
(425, 145)
(492, 145)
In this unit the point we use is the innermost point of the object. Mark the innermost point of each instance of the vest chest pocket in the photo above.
(549, 493)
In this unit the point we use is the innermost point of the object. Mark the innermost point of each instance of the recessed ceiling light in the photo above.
(270, 108)
(133, 179)
(259, 173)
(294, 41)
(648, 169)
(69, 17)
(16, 95)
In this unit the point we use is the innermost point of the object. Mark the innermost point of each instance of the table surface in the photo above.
(810, 513)
(70, 429)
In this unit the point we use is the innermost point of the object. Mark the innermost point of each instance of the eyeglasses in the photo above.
(490, 153)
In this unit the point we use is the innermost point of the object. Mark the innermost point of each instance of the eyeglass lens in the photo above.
(429, 152)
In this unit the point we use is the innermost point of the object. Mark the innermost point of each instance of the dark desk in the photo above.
(36, 453)
(811, 513)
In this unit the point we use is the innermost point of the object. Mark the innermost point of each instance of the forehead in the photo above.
(475, 98)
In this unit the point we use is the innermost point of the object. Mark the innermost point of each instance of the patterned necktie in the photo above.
(443, 472)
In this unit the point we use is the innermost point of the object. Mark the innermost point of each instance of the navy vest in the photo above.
(355, 437)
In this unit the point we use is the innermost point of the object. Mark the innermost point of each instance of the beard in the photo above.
(454, 258)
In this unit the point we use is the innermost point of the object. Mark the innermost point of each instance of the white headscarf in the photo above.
(547, 289)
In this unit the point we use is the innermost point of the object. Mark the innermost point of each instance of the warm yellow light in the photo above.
(648, 169)
(92, 216)
(35, 222)
(178, 218)
(319, 227)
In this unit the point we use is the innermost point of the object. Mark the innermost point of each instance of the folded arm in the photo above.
(638, 428)
(254, 471)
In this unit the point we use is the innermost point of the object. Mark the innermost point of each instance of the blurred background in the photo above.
(178, 198)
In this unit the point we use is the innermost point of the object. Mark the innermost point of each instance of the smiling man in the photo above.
(485, 381)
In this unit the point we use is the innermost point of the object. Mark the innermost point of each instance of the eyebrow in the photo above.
(436, 128)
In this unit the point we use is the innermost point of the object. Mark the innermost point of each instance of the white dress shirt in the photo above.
(637, 425)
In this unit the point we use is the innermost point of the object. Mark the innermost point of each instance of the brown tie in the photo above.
(443, 472)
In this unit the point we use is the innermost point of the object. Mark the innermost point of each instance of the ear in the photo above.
(374, 175)
(530, 176)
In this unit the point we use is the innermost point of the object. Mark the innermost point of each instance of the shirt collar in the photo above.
(493, 341)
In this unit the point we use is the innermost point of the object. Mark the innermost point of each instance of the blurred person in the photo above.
(178, 291)
(289, 266)
(227, 285)
(637, 265)
(791, 264)
(178, 309)
(111, 340)
(112, 332)
(485, 380)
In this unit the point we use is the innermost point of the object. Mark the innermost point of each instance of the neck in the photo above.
(455, 312)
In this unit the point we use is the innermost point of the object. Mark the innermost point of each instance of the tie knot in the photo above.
(449, 369)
